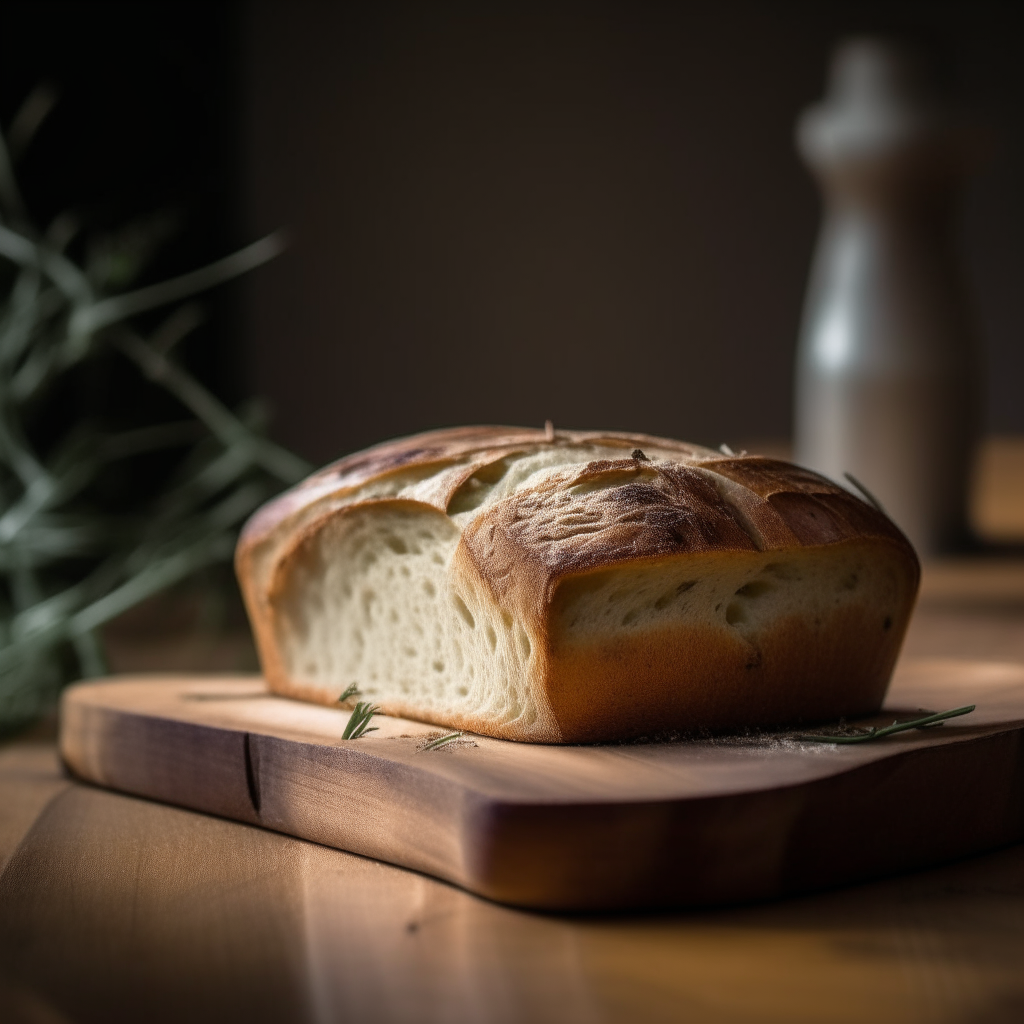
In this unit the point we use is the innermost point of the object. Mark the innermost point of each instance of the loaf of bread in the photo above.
(567, 587)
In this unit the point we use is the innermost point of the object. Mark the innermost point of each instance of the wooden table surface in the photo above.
(114, 908)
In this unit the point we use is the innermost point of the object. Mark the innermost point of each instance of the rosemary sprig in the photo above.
(359, 721)
(442, 741)
(873, 733)
(871, 499)
(352, 690)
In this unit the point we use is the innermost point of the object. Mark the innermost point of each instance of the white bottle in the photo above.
(886, 382)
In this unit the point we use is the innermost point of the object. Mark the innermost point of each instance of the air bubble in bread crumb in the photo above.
(524, 642)
(463, 609)
(755, 588)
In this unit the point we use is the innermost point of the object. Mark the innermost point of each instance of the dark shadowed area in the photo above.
(142, 131)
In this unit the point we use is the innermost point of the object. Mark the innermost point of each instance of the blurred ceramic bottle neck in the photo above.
(881, 141)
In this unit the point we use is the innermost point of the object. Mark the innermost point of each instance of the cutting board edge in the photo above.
(488, 840)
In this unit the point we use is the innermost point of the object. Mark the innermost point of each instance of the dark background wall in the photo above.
(144, 130)
(586, 212)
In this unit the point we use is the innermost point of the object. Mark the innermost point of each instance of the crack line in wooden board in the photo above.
(252, 781)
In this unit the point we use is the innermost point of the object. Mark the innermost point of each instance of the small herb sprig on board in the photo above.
(442, 741)
(359, 721)
(873, 733)
(352, 690)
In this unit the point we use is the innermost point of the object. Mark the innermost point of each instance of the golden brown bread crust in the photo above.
(672, 503)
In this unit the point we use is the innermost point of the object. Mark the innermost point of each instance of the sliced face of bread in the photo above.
(577, 587)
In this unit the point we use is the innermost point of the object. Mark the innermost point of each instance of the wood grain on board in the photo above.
(577, 828)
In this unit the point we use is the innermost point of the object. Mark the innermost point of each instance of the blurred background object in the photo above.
(887, 376)
(997, 490)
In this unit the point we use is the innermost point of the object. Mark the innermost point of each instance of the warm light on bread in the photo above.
(577, 586)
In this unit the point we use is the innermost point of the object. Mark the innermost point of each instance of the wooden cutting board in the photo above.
(578, 828)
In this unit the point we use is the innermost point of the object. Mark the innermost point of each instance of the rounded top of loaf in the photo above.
(541, 505)
(441, 449)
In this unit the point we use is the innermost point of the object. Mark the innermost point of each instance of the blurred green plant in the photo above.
(71, 559)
